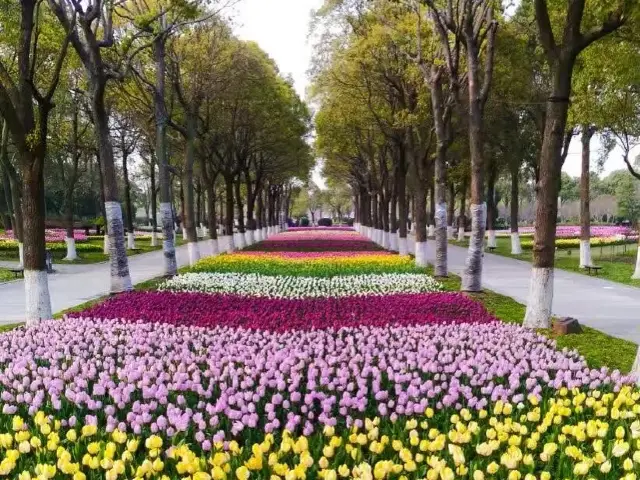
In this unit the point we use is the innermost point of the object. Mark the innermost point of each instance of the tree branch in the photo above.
(545, 31)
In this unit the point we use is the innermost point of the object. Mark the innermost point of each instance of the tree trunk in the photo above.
(38, 302)
(462, 219)
(161, 118)
(472, 277)
(229, 214)
(68, 220)
(6, 187)
(131, 239)
(585, 212)
(212, 223)
(538, 312)
(516, 247)
(189, 218)
(120, 278)
(240, 208)
(491, 207)
(451, 210)
(154, 200)
(401, 193)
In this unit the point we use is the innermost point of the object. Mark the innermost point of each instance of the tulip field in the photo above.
(311, 355)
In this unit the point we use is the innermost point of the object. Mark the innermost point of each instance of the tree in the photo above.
(628, 200)
(89, 28)
(26, 100)
(561, 56)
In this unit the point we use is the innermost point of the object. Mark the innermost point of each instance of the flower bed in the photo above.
(415, 399)
(564, 243)
(322, 266)
(356, 378)
(202, 309)
(301, 287)
(51, 235)
(573, 231)
(337, 228)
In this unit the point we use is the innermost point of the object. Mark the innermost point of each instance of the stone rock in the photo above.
(566, 326)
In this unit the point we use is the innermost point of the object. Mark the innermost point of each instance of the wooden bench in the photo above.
(492, 249)
(18, 272)
(592, 268)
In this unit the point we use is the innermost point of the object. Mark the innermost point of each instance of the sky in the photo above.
(281, 27)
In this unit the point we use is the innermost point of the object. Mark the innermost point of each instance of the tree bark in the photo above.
(462, 219)
(120, 278)
(538, 312)
(187, 185)
(516, 248)
(161, 118)
(229, 214)
(240, 208)
(127, 198)
(491, 206)
(585, 212)
(154, 200)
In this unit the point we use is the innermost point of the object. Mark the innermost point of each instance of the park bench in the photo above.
(592, 268)
(491, 249)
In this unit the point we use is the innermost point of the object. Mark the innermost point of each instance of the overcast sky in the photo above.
(281, 27)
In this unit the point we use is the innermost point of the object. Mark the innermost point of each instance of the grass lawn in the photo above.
(617, 261)
(6, 275)
(142, 246)
(598, 348)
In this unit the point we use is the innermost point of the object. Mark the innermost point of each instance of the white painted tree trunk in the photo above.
(585, 254)
(240, 243)
(214, 246)
(265, 233)
(450, 232)
(636, 273)
(38, 301)
(393, 242)
(249, 237)
(168, 245)
(184, 234)
(72, 254)
(194, 252)
(491, 239)
(411, 243)
(516, 246)
(421, 254)
(120, 278)
(131, 241)
(431, 231)
(403, 247)
(21, 253)
(231, 244)
(461, 234)
(385, 240)
(154, 239)
(105, 244)
(538, 314)
(472, 277)
(441, 264)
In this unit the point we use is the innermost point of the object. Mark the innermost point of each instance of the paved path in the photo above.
(608, 306)
(76, 284)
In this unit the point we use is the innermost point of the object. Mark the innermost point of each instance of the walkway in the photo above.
(608, 306)
(76, 284)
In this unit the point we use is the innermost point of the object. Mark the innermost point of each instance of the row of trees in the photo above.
(425, 104)
(160, 83)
